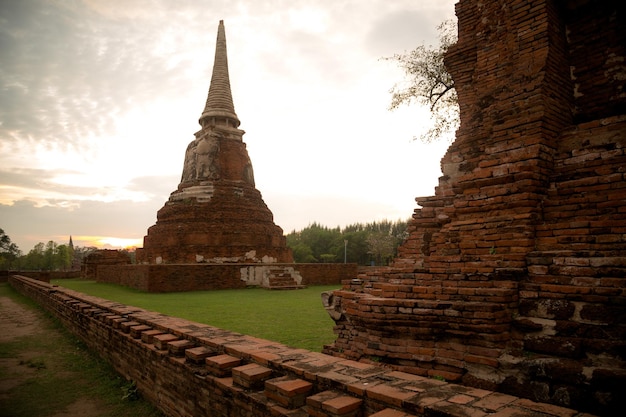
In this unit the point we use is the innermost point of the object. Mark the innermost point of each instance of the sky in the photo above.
(100, 98)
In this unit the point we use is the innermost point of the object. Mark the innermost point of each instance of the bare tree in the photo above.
(427, 82)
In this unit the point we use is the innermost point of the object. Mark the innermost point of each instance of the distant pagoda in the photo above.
(216, 214)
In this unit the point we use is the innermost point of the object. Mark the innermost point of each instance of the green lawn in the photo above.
(295, 318)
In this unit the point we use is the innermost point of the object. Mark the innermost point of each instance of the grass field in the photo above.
(295, 318)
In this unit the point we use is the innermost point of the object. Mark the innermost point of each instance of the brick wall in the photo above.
(512, 277)
(201, 276)
(193, 369)
(45, 276)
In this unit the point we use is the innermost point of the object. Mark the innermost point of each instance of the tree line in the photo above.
(362, 243)
(50, 256)
(374, 243)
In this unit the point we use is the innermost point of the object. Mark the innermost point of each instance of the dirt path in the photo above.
(16, 322)
(34, 367)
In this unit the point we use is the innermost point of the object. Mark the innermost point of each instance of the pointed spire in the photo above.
(219, 103)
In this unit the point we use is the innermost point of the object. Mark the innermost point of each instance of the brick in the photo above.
(342, 405)
(251, 375)
(221, 365)
(461, 399)
(493, 362)
(125, 326)
(513, 412)
(288, 391)
(178, 347)
(148, 336)
(198, 354)
(117, 320)
(389, 394)
(315, 401)
(495, 401)
(388, 412)
(553, 410)
(161, 340)
(137, 331)
(452, 409)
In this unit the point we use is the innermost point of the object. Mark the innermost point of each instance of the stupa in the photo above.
(216, 214)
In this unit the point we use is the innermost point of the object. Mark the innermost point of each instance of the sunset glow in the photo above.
(107, 242)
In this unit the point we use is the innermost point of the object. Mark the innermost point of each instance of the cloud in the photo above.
(402, 30)
(26, 224)
(67, 79)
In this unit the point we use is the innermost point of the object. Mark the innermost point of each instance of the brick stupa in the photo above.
(216, 214)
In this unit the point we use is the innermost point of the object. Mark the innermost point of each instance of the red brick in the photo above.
(198, 354)
(221, 365)
(388, 412)
(251, 375)
(161, 340)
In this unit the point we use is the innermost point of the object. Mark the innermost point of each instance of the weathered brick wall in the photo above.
(326, 274)
(48, 275)
(596, 58)
(513, 275)
(194, 277)
(192, 369)
(102, 257)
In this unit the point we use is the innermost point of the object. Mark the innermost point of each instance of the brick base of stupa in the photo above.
(231, 223)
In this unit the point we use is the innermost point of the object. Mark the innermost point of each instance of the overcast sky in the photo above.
(99, 99)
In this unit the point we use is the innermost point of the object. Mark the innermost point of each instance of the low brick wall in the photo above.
(45, 276)
(193, 369)
(201, 276)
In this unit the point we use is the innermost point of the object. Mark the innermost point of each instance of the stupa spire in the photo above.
(219, 103)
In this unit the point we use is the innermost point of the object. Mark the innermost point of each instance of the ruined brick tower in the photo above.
(513, 277)
(216, 214)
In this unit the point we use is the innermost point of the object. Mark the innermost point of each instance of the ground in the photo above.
(44, 371)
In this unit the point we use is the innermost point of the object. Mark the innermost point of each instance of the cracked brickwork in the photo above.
(513, 275)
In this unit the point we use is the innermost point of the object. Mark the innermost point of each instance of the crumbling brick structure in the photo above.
(513, 276)
(216, 214)
(109, 257)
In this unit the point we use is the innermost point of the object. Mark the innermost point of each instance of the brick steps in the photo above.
(282, 278)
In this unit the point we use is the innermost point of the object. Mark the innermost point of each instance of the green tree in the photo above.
(381, 246)
(317, 243)
(63, 257)
(9, 252)
(302, 253)
(357, 246)
(427, 82)
(50, 256)
(34, 260)
(49, 262)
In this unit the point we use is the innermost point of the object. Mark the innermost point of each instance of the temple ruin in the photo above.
(513, 277)
(216, 214)
(215, 231)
